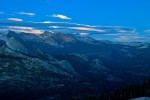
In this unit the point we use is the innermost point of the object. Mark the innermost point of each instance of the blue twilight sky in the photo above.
(104, 15)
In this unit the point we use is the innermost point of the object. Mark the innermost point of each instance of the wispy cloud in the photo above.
(87, 29)
(117, 33)
(127, 30)
(25, 29)
(77, 28)
(61, 16)
(147, 31)
(47, 22)
(55, 27)
(129, 38)
(15, 19)
(27, 13)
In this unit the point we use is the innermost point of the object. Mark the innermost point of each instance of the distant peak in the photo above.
(48, 32)
(10, 31)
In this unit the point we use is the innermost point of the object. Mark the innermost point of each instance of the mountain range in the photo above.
(58, 65)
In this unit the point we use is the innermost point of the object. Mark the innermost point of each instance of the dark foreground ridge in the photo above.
(127, 93)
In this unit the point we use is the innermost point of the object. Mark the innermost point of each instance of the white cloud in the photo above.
(27, 13)
(55, 27)
(87, 29)
(61, 16)
(25, 29)
(47, 22)
(53, 22)
(15, 19)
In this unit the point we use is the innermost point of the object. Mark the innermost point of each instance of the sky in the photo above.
(121, 20)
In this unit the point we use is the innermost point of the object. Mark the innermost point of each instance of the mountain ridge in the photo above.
(60, 61)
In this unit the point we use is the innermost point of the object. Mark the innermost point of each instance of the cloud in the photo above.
(117, 33)
(27, 13)
(87, 29)
(61, 16)
(15, 19)
(129, 38)
(55, 27)
(75, 28)
(129, 30)
(25, 29)
(47, 22)
(147, 31)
